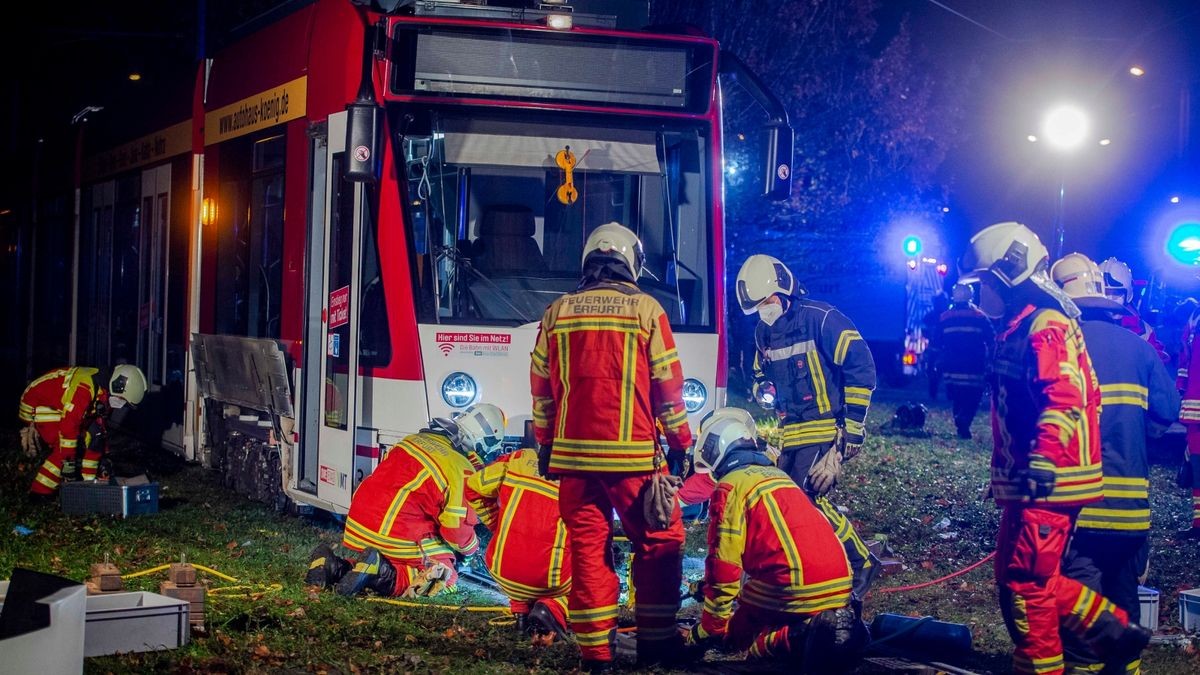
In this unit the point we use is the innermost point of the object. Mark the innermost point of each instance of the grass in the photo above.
(925, 495)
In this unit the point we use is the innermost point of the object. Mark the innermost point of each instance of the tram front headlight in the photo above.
(694, 395)
(459, 390)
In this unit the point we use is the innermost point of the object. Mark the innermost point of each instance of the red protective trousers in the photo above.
(587, 503)
(1035, 598)
(50, 474)
(1193, 446)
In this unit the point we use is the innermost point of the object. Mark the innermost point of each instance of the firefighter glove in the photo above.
(543, 454)
(696, 590)
(429, 582)
(1038, 479)
(31, 443)
(659, 502)
(825, 472)
(696, 636)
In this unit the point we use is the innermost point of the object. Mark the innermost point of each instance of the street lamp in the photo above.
(1065, 128)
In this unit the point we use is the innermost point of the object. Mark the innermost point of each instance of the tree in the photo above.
(873, 120)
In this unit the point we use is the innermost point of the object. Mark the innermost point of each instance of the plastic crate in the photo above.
(1149, 599)
(1189, 610)
(134, 622)
(80, 498)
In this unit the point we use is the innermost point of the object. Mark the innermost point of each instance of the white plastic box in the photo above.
(134, 622)
(1189, 610)
(1149, 599)
(57, 648)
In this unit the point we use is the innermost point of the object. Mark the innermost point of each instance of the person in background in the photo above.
(1188, 384)
(933, 347)
(527, 555)
(603, 373)
(1118, 286)
(1046, 458)
(816, 372)
(409, 518)
(965, 337)
(1110, 547)
(69, 405)
(774, 554)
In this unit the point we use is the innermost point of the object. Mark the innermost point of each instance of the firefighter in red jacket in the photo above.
(964, 338)
(528, 554)
(1189, 414)
(603, 370)
(1118, 286)
(777, 556)
(1110, 546)
(409, 518)
(68, 405)
(816, 372)
(1046, 462)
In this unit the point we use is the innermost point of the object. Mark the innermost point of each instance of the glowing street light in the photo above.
(1105, 141)
(1175, 199)
(1066, 127)
(1136, 71)
(1031, 138)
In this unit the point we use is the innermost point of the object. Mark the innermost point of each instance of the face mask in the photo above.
(770, 313)
(116, 402)
(990, 302)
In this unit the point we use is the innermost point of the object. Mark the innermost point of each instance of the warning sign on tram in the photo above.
(339, 307)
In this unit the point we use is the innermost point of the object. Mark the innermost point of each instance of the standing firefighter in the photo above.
(816, 371)
(1118, 286)
(1188, 383)
(409, 518)
(604, 368)
(1046, 461)
(528, 554)
(66, 406)
(1110, 547)
(965, 339)
(793, 604)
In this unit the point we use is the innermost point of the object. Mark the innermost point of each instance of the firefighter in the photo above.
(965, 338)
(409, 518)
(69, 405)
(1118, 286)
(603, 369)
(814, 369)
(527, 555)
(1189, 415)
(929, 324)
(1110, 546)
(794, 602)
(1046, 462)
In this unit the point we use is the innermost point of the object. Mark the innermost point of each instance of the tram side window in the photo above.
(250, 237)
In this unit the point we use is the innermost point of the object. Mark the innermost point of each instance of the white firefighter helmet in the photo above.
(728, 412)
(127, 383)
(614, 239)
(1080, 277)
(1118, 280)
(480, 427)
(1010, 251)
(721, 435)
(761, 277)
(962, 293)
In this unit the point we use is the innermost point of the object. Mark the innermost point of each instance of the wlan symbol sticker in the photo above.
(446, 348)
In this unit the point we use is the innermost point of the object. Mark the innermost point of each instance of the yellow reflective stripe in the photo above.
(1113, 399)
(90, 463)
(562, 327)
(818, 380)
(629, 373)
(68, 443)
(864, 401)
(47, 481)
(564, 378)
(51, 468)
(402, 495)
(1124, 388)
(1127, 480)
(843, 345)
(592, 445)
(641, 464)
(766, 487)
(594, 638)
(854, 427)
(556, 554)
(537, 485)
(593, 614)
(796, 567)
(540, 358)
(669, 356)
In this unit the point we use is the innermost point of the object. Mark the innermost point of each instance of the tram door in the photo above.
(152, 307)
(331, 382)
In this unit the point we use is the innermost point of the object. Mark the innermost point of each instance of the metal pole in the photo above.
(1060, 233)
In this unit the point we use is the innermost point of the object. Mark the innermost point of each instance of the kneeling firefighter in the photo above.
(794, 602)
(528, 555)
(69, 405)
(409, 518)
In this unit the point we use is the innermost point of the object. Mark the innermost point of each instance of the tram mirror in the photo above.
(364, 128)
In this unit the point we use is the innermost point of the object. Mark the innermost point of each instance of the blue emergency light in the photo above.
(912, 245)
(1183, 244)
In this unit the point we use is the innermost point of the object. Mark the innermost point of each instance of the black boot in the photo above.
(1128, 647)
(373, 572)
(541, 621)
(325, 568)
(593, 666)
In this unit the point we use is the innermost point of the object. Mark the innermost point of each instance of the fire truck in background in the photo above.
(384, 202)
